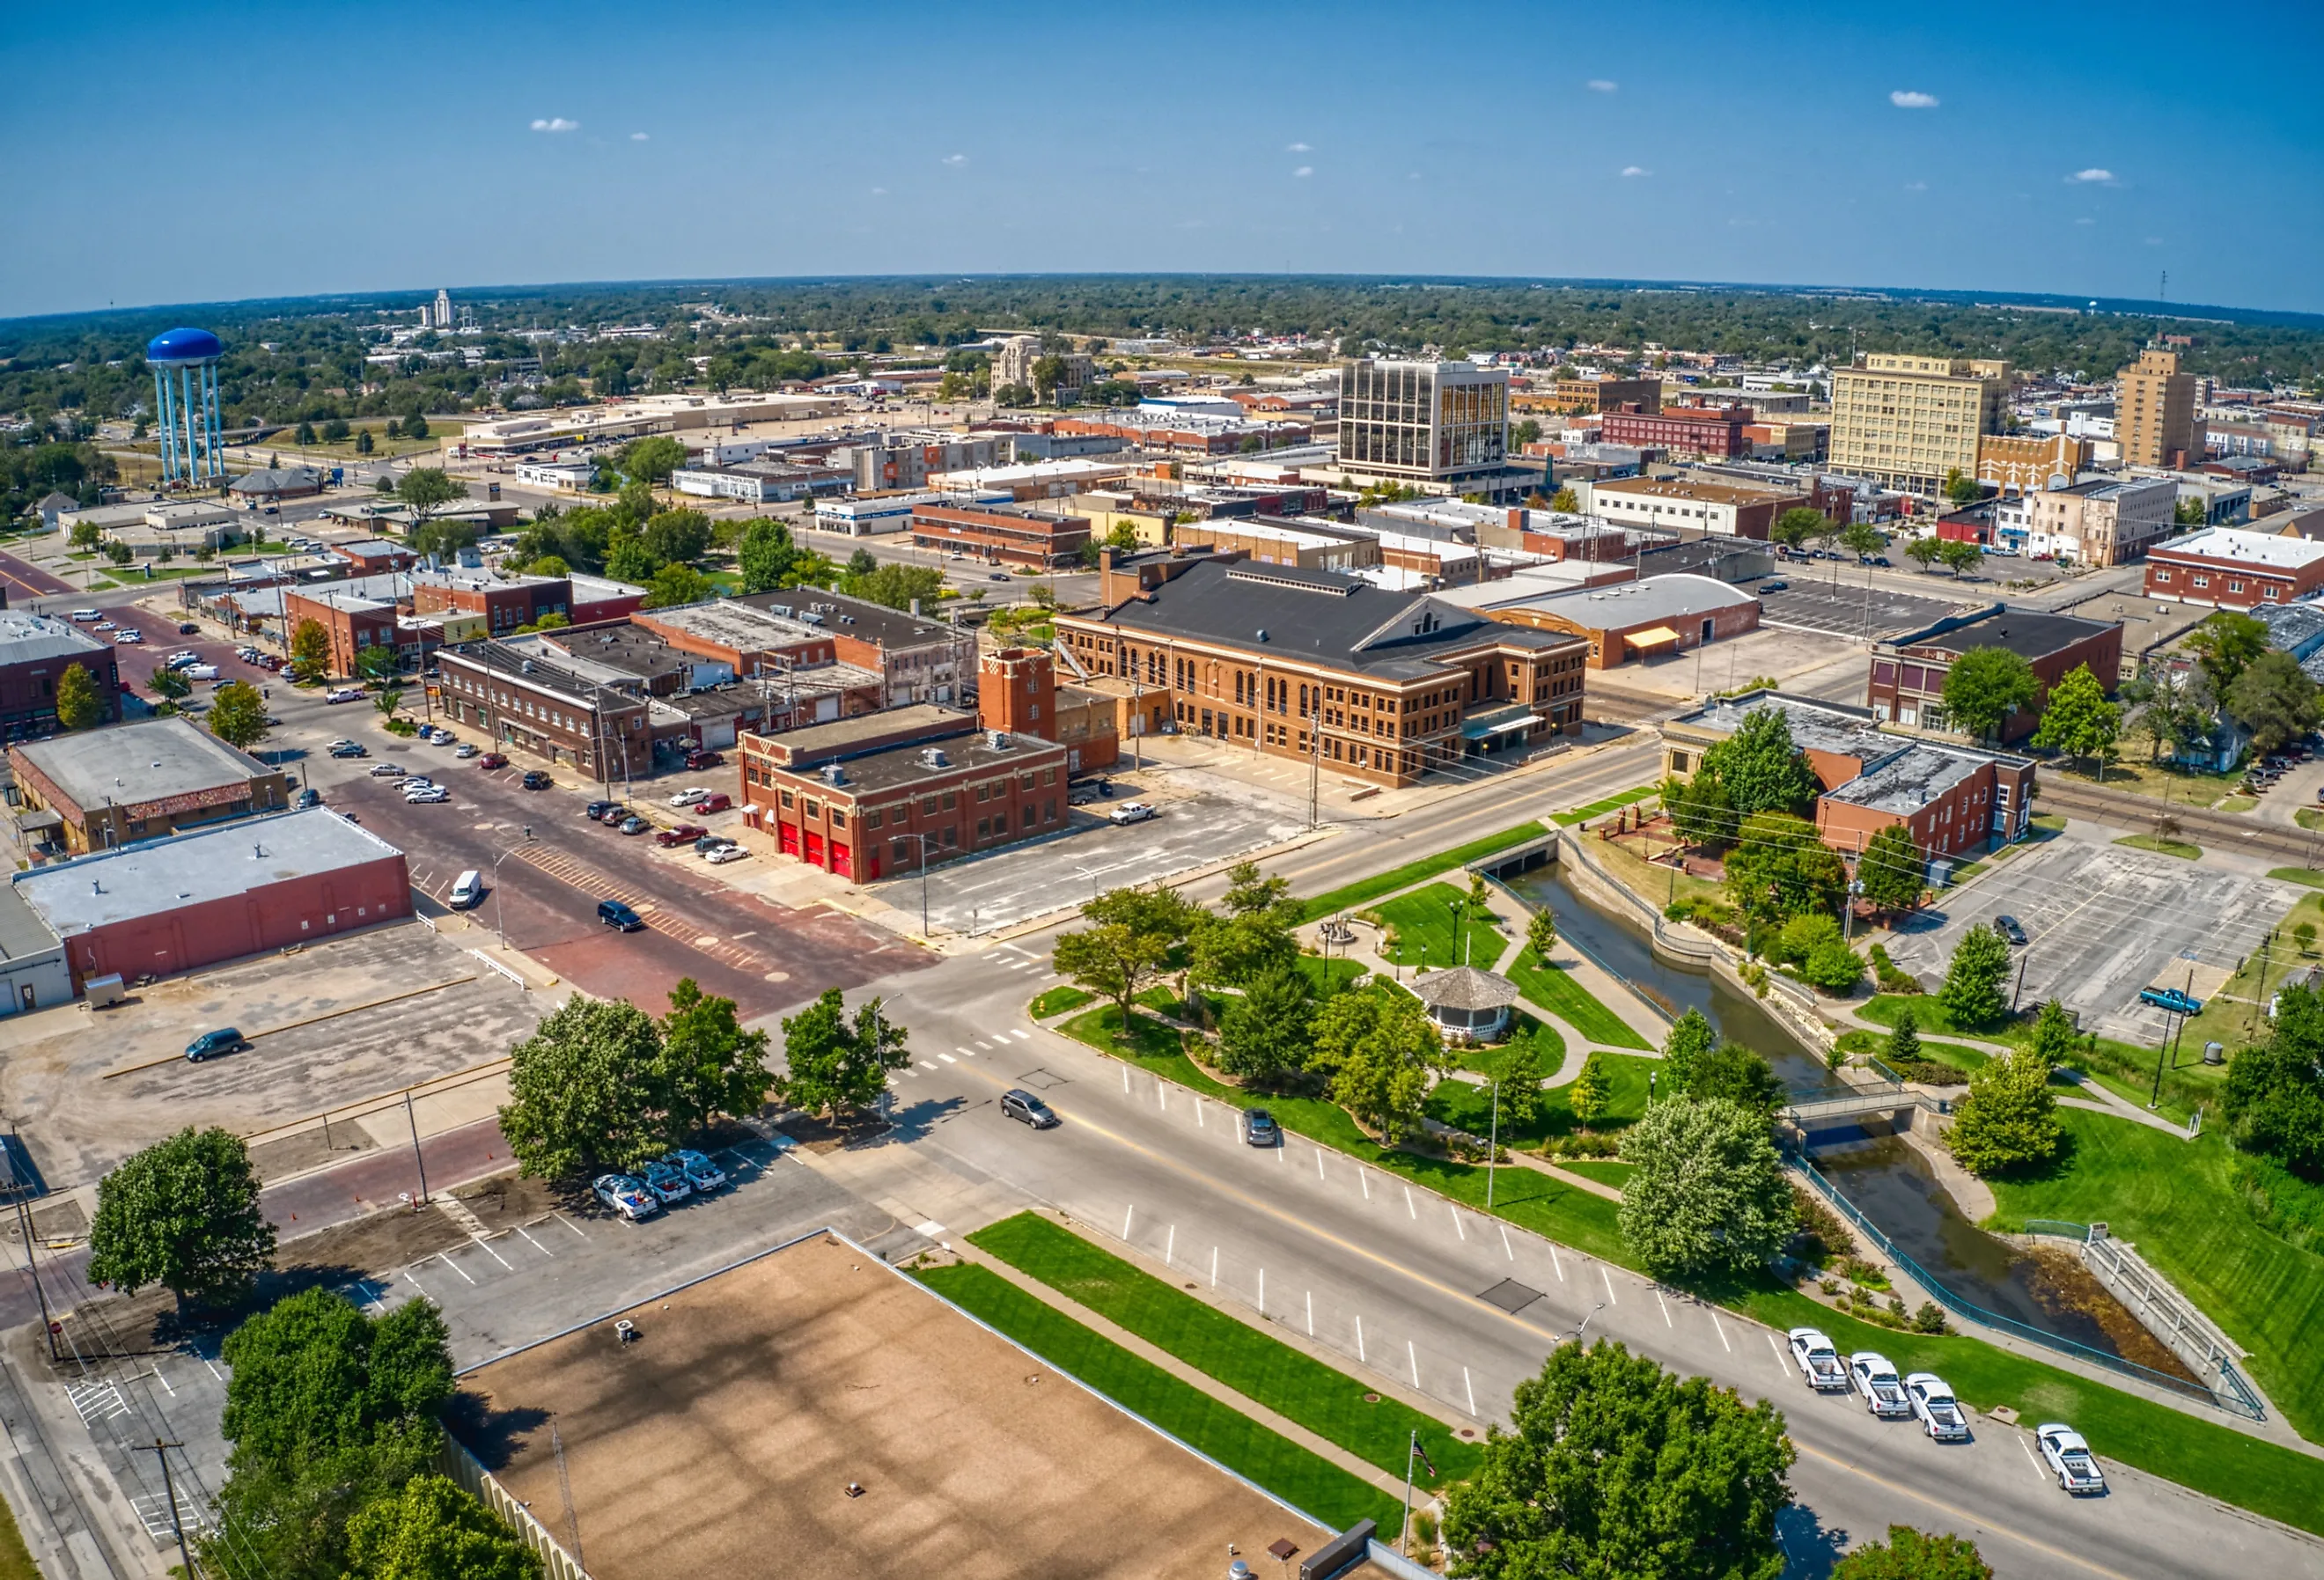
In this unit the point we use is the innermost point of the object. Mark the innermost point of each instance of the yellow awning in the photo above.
(1653, 636)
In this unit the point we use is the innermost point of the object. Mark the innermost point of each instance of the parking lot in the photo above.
(2103, 921)
(1809, 601)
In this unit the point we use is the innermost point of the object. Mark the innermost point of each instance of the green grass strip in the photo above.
(2308, 876)
(1349, 895)
(16, 1558)
(1555, 990)
(1306, 1481)
(1328, 1402)
(1629, 797)
(1057, 1000)
(1423, 920)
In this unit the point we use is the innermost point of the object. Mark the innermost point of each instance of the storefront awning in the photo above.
(1501, 722)
(1653, 636)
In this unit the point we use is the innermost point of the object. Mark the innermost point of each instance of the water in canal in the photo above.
(1889, 1181)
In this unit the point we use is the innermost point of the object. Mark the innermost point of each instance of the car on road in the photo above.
(1129, 812)
(1876, 1383)
(1260, 1129)
(2171, 998)
(724, 854)
(1775, 584)
(2069, 1458)
(597, 810)
(1933, 1406)
(2009, 927)
(468, 749)
(613, 914)
(129, 638)
(347, 749)
(632, 825)
(535, 779)
(344, 694)
(85, 616)
(687, 797)
(305, 798)
(1880, 560)
(670, 1185)
(189, 628)
(1026, 1109)
(700, 1172)
(211, 1044)
(998, 575)
(684, 833)
(1818, 1361)
(198, 671)
(626, 1195)
(386, 770)
(492, 760)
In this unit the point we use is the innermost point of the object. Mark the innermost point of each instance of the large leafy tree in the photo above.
(2274, 699)
(652, 459)
(2225, 646)
(1781, 866)
(833, 1061)
(1380, 1050)
(182, 1213)
(1892, 869)
(1760, 767)
(1915, 1554)
(1734, 1073)
(1971, 995)
(674, 585)
(1267, 1031)
(2078, 720)
(681, 536)
(710, 1065)
(427, 490)
(897, 586)
(1984, 687)
(1796, 525)
(1593, 1091)
(1112, 960)
(2009, 1119)
(310, 651)
(79, 703)
(238, 714)
(1691, 1037)
(583, 1090)
(1611, 1466)
(2274, 1097)
(432, 1529)
(1700, 811)
(313, 1375)
(1708, 1195)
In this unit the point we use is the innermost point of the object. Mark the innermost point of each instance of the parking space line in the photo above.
(455, 1266)
(1457, 1229)
(1722, 1333)
(1666, 1307)
(537, 1245)
(2038, 1473)
(1557, 1265)
(1408, 1204)
(1414, 1356)
(1504, 1243)
(488, 1251)
(1470, 1388)
(1780, 1366)
(407, 1274)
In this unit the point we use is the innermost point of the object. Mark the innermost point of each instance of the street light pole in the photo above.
(1493, 1143)
(500, 920)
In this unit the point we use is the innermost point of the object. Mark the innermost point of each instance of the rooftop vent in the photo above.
(934, 757)
(1262, 633)
(997, 739)
(833, 773)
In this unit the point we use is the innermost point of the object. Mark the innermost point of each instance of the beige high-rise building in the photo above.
(2154, 419)
(1907, 421)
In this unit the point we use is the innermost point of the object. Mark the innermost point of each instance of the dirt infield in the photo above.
(725, 1439)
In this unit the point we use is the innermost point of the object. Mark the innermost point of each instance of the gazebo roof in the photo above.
(1464, 987)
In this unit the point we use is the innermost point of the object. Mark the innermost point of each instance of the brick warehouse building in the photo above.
(350, 620)
(112, 787)
(538, 705)
(1295, 663)
(2225, 567)
(36, 650)
(1908, 672)
(1001, 534)
(1712, 432)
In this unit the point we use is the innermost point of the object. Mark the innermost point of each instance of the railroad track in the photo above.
(2220, 830)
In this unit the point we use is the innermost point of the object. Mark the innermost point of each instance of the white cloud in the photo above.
(1298, 148)
(955, 159)
(1636, 170)
(2091, 175)
(2155, 240)
(1601, 85)
(1907, 98)
(2086, 220)
(556, 123)
(639, 137)
(879, 191)
(1304, 170)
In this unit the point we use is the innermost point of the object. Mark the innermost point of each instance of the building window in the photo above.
(950, 799)
(838, 819)
(927, 806)
(787, 801)
(871, 819)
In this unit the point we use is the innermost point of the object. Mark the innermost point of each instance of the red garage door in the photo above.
(814, 847)
(788, 837)
(843, 860)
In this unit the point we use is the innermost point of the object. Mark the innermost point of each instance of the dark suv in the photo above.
(210, 1044)
(619, 916)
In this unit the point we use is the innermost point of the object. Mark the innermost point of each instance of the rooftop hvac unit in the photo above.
(934, 757)
(997, 739)
(833, 773)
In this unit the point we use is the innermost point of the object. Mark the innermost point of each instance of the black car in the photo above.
(597, 810)
(210, 1044)
(2008, 928)
(1260, 1129)
(614, 815)
(534, 779)
(306, 798)
(619, 917)
(1026, 1109)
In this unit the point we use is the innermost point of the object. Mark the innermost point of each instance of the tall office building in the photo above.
(1907, 421)
(1437, 422)
(443, 309)
(2154, 419)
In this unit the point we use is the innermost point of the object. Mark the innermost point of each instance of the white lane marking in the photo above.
(1364, 1179)
(1161, 1095)
(1125, 1080)
(1311, 1314)
(1198, 1115)
(1002, 1037)
(1659, 1301)
(1504, 1243)
(1170, 1245)
(164, 1382)
(495, 1255)
(980, 1042)
(1021, 1036)
(929, 1229)
(910, 1075)
(1262, 1291)
(1456, 1223)
(1282, 1149)
(221, 1376)
(1359, 1343)
(1319, 1163)
(1779, 1355)
(1471, 1388)
(1126, 1213)
(927, 1064)
(1414, 1356)
(455, 1266)
(947, 1059)
(1555, 1262)
(2039, 1472)
(1722, 1333)
(537, 1245)
(1407, 1204)
(967, 1052)
(1602, 1273)
(1214, 1267)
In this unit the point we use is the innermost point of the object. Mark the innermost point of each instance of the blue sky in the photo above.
(168, 153)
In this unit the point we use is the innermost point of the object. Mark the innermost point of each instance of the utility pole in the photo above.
(161, 1447)
(417, 1160)
(24, 1227)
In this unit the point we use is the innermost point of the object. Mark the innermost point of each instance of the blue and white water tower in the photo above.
(185, 363)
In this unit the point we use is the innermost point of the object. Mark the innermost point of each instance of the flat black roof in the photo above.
(900, 768)
(2027, 632)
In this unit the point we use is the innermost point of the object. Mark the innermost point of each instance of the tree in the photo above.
(238, 714)
(2274, 1096)
(1691, 1037)
(1926, 549)
(431, 1530)
(1048, 373)
(1962, 488)
(1265, 1034)
(831, 1062)
(651, 460)
(1958, 555)
(1708, 1195)
(365, 443)
(1862, 538)
(2009, 1119)
(1518, 1079)
(1541, 934)
(1565, 501)
(676, 535)
(1904, 1040)
(1780, 866)
(1733, 1073)
(674, 585)
(79, 703)
(896, 587)
(182, 1213)
(2274, 699)
(172, 684)
(1699, 809)
(388, 701)
(415, 425)
(87, 535)
(310, 651)
(313, 1375)
(1380, 1049)
(2225, 646)
(2053, 1035)
(1612, 1467)
(427, 489)
(583, 1091)
(766, 552)
(1112, 959)
(1912, 1554)
(2078, 720)
(1984, 687)
(1593, 1090)
(1761, 768)
(1832, 967)
(549, 565)
(1796, 525)
(1892, 870)
(1971, 995)
(709, 1065)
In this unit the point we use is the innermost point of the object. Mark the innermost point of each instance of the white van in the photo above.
(199, 671)
(83, 616)
(467, 891)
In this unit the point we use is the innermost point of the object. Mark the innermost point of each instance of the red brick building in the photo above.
(1908, 674)
(2225, 567)
(36, 650)
(504, 602)
(352, 621)
(1001, 534)
(1713, 431)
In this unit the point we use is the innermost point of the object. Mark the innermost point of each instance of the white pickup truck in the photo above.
(1876, 1383)
(1818, 1361)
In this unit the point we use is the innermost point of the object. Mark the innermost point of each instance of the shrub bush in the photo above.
(1582, 1143)
(1929, 1319)
(1889, 975)
(1833, 968)
(1820, 1235)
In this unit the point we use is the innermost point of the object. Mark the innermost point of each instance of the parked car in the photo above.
(1129, 812)
(627, 1195)
(492, 760)
(199, 671)
(2069, 1458)
(710, 842)
(85, 616)
(668, 1183)
(467, 891)
(687, 797)
(716, 801)
(181, 658)
(348, 749)
(1876, 1383)
(105, 625)
(211, 1044)
(535, 779)
(386, 770)
(724, 854)
(613, 814)
(306, 798)
(468, 749)
(1818, 1361)
(684, 833)
(698, 760)
(344, 694)
(1260, 1129)
(613, 914)
(187, 628)
(1026, 1109)
(2008, 928)
(2173, 999)
(597, 810)
(129, 638)
(427, 795)
(633, 824)
(1775, 584)
(700, 1172)
(1933, 1406)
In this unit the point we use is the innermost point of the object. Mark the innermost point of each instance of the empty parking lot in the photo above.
(1809, 601)
(2102, 922)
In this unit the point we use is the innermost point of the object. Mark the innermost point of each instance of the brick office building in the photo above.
(1661, 617)
(1908, 673)
(2228, 568)
(504, 602)
(36, 650)
(547, 709)
(134, 782)
(1001, 534)
(352, 621)
(1712, 432)
(1297, 664)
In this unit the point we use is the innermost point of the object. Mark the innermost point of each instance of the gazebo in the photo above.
(1467, 1004)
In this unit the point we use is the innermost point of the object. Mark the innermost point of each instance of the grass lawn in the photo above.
(2177, 1202)
(1610, 1171)
(2167, 782)
(1951, 1053)
(2236, 1013)
(1057, 1000)
(2049, 822)
(16, 1558)
(1553, 989)
(1349, 895)
(1466, 1107)
(2308, 818)
(1149, 1045)
(2235, 804)
(1649, 881)
(1629, 797)
(1422, 924)
(2124, 1069)
(1304, 1480)
(1328, 977)
(2308, 876)
(2177, 847)
(1326, 1401)
(1487, 1060)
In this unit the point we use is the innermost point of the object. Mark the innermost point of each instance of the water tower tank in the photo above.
(183, 348)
